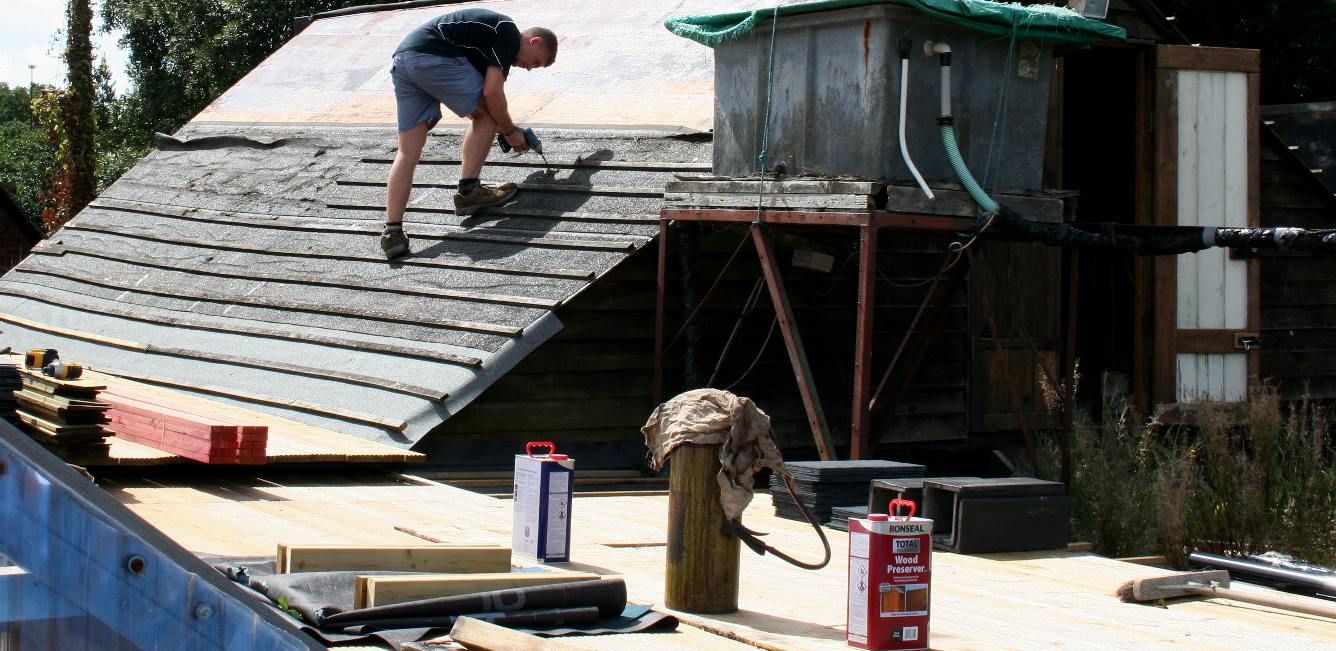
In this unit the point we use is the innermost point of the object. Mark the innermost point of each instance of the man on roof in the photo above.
(461, 59)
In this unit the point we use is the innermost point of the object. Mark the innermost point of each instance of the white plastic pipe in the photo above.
(904, 143)
(944, 50)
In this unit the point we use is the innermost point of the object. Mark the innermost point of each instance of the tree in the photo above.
(79, 153)
(67, 117)
(1296, 40)
(27, 158)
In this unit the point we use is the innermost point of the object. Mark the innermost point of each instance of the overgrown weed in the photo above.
(1238, 481)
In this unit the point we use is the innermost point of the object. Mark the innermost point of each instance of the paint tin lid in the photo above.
(877, 517)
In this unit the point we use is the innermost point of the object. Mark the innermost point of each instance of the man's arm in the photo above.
(494, 101)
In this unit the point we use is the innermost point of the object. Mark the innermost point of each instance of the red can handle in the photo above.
(551, 447)
(890, 508)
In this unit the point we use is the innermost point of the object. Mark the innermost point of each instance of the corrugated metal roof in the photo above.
(240, 259)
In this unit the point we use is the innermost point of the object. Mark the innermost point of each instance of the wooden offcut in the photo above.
(702, 568)
(484, 636)
(393, 558)
(371, 591)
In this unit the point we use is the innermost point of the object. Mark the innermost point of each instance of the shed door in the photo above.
(1206, 175)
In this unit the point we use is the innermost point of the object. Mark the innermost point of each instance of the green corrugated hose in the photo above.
(980, 197)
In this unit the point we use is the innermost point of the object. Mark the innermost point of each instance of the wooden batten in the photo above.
(371, 591)
(484, 636)
(441, 557)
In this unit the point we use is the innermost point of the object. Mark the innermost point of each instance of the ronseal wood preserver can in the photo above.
(544, 487)
(890, 575)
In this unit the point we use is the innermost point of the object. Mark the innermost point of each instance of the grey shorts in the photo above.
(422, 82)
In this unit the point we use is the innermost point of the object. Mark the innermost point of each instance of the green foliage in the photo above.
(185, 53)
(14, 104)
(283, 605)
(1239, 482)
(26, 160)
(1296, 39)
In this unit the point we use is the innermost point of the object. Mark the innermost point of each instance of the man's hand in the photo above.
(517, 140)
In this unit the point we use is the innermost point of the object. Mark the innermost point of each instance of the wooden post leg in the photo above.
(816, 417)
(702, 571)
(860, 441)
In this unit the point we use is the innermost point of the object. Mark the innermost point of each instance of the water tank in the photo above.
(835, 98)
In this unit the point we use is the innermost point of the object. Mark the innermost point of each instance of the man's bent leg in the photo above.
(477, 143)
(400, 184)
(472, 195)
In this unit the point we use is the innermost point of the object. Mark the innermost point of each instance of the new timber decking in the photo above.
(1043, 600)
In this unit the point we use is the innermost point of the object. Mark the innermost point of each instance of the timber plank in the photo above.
(710, 185)
(575, 163)
(606, 190)
(435, 558)
(485, 636)
(372, 591)
(776, 200)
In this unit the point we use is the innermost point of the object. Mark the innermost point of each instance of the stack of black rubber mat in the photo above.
(824, 485)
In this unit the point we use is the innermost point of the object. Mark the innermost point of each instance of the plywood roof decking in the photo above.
(998, 601)
(613, 68)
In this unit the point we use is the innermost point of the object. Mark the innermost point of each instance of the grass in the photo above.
(1237, 482)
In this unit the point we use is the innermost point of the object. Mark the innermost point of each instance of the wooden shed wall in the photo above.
(1298, 296)
(590, 387)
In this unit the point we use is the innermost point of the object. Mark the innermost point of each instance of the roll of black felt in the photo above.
(608, 595)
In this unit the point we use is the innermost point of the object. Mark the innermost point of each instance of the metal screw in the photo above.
(203, 610)
(135, 563)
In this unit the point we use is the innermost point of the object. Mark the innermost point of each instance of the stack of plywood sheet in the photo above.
(63, 415)
(192, 431)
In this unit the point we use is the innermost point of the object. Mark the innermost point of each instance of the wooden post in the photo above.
(702, 572)
(860, 444)
(788, 326)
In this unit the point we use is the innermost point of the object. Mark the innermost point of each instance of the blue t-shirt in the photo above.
(483, 36)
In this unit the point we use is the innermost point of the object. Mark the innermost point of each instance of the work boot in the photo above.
(394, 242)
(483, 196)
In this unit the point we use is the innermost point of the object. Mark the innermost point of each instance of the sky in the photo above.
(28, 36)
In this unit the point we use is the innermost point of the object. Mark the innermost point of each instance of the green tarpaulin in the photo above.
(998, 18)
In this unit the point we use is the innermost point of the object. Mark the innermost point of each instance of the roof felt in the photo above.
(240, 259)
(256, 271)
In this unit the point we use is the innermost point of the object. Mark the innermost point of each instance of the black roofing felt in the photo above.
(245, 260)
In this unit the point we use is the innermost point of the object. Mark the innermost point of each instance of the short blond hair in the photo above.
(549, 40)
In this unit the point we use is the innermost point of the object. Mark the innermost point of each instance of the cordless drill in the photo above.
(534, 143)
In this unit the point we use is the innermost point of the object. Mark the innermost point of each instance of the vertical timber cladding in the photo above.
(1207, 302)
(1298, 297)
